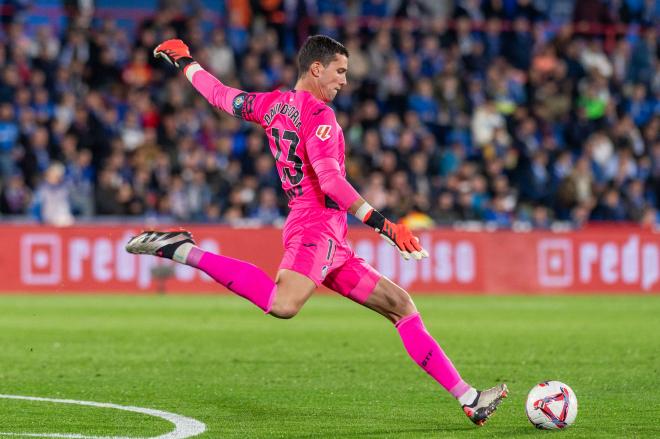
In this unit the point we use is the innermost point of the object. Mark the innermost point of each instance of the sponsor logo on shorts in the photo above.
(324, 271)
(323, 132)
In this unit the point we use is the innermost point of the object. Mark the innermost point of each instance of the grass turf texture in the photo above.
(336, 370)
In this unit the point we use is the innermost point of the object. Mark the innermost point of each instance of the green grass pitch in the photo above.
(337, 370)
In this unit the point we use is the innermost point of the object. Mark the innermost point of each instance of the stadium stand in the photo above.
(505, 112)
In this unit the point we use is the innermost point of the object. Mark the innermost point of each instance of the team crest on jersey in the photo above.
(238, 103)
(323, 132)
(239, 100)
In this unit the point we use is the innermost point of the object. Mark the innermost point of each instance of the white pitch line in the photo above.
(184, 427)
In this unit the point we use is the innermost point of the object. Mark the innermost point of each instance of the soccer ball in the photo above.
(551, 405)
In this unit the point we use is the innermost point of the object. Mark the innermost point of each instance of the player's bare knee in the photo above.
(284, 305)
(398, 307)
(391, 301)
(293, 290)
(400, 304)
(407, 307)
(284, 311)
(401, 310)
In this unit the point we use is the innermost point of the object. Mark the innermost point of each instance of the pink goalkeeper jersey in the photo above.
(301, 130)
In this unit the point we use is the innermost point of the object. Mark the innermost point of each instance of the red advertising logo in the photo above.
(555, 262)
(41, 258)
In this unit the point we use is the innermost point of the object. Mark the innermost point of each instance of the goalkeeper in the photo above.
(308, 146)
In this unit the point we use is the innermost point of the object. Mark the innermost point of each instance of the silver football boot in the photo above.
(485, 404)
(162, 244)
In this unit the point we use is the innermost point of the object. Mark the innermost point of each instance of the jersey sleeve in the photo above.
(323, 143)
(321, 135)
(236, 102)
(251, 106)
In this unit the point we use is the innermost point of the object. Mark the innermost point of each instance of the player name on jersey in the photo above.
(287, 110)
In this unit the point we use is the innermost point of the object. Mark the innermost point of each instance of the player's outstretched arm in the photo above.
(399, 235)
(219, 95)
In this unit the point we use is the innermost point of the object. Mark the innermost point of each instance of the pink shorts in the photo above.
(315, 246)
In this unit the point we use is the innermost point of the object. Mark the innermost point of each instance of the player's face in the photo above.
(333, 77)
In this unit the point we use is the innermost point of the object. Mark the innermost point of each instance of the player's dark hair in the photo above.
(318, 48)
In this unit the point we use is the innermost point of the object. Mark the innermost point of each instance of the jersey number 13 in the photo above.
(291, 157)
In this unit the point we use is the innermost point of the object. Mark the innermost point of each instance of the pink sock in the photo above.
(243, 278)
(426, 352)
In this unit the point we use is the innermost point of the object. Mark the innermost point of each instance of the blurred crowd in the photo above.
(500, 111)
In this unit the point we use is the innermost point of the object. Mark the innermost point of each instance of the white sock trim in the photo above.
(363, 211)
(468, 397)
(181, 253)
(191, 70)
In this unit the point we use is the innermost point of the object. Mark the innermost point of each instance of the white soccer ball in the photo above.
(551, 405)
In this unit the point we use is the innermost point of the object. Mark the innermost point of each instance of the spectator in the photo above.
(635, 200)
(518, 46)
(485, 122)
(267, 211)
(444, 212)
(644, 57)
(16, 196)
(8, 138)
(106, 194)
(51, 200)
(577, 188)
(499, 213)
(650, 218)
(221, 56)
(536, 182)
(609, 207)
(423, 103)
(638, 106)
(541, 217)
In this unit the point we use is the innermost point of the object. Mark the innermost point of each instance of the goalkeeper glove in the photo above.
(174, 52)
(399, 235)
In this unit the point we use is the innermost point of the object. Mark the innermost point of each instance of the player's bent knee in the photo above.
(285, 311)
(285, 306)
(406, 307)
(403, 308)
(399, 303)
(391, 301)
(293, 290)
